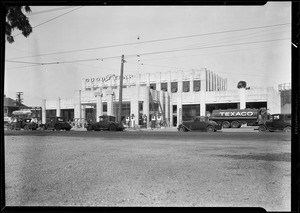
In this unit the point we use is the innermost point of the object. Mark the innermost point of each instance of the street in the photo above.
(148, 168)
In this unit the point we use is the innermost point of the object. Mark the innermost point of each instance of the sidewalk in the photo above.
(167, 129)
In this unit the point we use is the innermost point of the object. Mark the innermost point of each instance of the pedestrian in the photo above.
(153, 121)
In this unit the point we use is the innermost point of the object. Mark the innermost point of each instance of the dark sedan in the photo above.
(200, 123)
(105, 123)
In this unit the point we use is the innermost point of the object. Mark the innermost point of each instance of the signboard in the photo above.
(107, 78)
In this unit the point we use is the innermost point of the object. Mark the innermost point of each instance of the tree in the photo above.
(241, 84)
(15, 18)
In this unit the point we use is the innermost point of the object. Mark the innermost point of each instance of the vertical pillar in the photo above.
(99, 105)
(203, 80)
(171, 110)
(192, 81)
(134, 103)
(242, 94)
(158, 81)
(161, 102)
(146, 102)
(180, 79)
(44, 111)
(58, 107)
(77, 105)
(83, 107)
(169, 82)
(167, 107)
(148, 79)
(109, 98)
(179, 108)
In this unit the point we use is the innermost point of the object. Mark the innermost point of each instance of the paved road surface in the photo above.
(148, 168)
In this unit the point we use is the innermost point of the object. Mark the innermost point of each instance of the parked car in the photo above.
(106, 123)
(22, 123)
(277, 122)
(56, 123)
(199, 123)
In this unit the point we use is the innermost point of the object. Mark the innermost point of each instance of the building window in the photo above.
(189, 112)
(153, 86)
(104, 107)
(185, 86)
(174, 87)
(174, 109)
(197, 85)
(164, 86)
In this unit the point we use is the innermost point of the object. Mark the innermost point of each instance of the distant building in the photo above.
(175, 95)
(286, 97)
(10, 105)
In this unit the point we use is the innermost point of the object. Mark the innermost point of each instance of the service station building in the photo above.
(174, 95)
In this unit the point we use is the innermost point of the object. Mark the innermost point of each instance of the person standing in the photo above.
(153, 121)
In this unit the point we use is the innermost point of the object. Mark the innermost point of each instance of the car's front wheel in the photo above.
(57, 127)
(210, 129)
(89, 128)
(112, 128)
(262, 128)
(181, 129)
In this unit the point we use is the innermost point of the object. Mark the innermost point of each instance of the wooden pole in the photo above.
(121, 90)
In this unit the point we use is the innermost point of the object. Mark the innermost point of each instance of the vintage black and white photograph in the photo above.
(148, 106)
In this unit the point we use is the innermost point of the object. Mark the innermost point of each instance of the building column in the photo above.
(148, 80)
(77, 105)
(134, 104)
(203, 78)
(158, 81)
(242, 93)
(179, 108)
(167, 107)
(83, 107)
(192, 81)
(180, 79)
(171, 110)
(161, 103)
(44, 111)
(109, 98)
(58, 108)
(146, 102)
(99, 106)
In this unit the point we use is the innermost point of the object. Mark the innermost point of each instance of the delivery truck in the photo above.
(235, 118)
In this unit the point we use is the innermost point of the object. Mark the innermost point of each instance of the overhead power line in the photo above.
(151, 41)
(49, 10)
(150, 53)
(52, 19)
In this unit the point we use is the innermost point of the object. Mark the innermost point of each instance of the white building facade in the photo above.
(174, 95)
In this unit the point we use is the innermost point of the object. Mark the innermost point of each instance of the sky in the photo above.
(249, 43)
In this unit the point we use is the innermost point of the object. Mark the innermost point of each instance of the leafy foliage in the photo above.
(15, 18)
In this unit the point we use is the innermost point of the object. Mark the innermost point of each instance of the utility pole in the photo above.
(19, 98)
(121, 90)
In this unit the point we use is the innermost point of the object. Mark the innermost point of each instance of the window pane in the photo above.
(197, 85)
(164, 86)
(185, 86)
(174, 87)
(153, 86)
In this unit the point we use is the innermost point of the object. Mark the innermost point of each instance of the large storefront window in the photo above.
(68, 114)
(197, 85)
(185, 86)
(190, 111)
(50, 114)
(174, 87)
(153, 86)
(125, 109)
(164, 86)
(104, 107)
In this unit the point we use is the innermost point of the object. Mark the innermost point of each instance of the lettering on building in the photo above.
(107, 78)
(231, 114)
